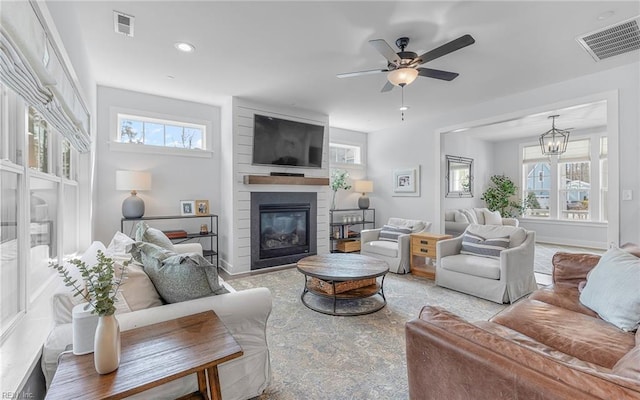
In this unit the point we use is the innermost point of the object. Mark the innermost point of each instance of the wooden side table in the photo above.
(151, 356)
(423, 245)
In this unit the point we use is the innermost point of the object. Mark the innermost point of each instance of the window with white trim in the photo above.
(39, 206)
(344, 154)
(569, 187)
(136, 129)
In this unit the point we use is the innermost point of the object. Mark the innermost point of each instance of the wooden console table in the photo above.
(151, 356)
(423, 245)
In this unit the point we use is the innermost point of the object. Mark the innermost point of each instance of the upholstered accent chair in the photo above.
(494, 262)
(391, 243)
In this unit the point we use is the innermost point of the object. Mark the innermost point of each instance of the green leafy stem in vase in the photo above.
(101, 283)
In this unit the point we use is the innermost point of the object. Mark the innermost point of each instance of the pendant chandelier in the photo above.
(554, 141)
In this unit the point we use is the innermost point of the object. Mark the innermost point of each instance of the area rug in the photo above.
(316, 356)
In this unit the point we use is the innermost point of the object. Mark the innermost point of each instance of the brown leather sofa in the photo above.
(547, 346)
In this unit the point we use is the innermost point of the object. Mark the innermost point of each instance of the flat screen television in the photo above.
(286, 143)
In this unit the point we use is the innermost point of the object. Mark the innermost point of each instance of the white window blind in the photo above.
(30, 65)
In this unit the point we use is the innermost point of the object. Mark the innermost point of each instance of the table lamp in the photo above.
(133, 206)
(363, 187)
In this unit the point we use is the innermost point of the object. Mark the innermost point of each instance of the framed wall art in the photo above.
(406, 182)
(202, 207)
(187, 207)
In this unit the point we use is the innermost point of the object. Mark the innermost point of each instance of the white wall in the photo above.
(483, 156)
(173, 177)
(237, 144)
(349, 198)
(417, 141)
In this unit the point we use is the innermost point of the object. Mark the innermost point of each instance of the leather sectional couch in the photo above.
(548, 346)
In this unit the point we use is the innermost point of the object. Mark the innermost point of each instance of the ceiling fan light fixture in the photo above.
(554, 141)
(402, 76)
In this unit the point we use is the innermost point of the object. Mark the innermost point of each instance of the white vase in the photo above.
(333, 200)
(106, 354)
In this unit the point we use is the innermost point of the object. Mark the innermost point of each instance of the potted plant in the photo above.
(101, 285)
(338, 181)
(500, 197)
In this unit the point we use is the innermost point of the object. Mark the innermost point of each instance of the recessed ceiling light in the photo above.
(171, 77)
(185, 47)
(605, 15)
(404, 108)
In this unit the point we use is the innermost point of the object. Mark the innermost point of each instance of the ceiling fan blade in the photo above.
(359, 73)
(387, 52)
(437, 74)
(387, 87)
(456, 44)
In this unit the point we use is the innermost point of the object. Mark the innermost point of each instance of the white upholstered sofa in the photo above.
(457, 220)
(244, 313)
(395, 247)
(504, 279)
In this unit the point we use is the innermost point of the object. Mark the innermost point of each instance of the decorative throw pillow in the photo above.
(471, 215)
(151, 250)
(183, 277)
(492, 217)
(612, 289)
(144, 233)
(458, 216)
(476, 245)
(137, 290)
(120, 245)
(391, 233)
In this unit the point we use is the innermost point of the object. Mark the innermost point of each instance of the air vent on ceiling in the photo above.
(123, 23)
(612, 40)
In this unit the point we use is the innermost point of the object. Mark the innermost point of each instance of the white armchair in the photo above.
(503, 280)
(391, 243)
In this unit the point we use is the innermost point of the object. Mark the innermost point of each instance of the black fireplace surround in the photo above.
(283, 227)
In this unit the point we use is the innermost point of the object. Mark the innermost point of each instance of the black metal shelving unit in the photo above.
(210, 253)
(339, 222)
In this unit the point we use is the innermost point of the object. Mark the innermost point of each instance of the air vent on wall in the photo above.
(123, 23)
(612, 40)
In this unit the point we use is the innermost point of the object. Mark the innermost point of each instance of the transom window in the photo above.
(133, 129)
(344, 154)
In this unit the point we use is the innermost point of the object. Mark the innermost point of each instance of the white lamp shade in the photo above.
(402, 76)
(363, 186)
(133, 180)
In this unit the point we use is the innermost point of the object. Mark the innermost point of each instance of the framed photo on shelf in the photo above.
(406, 182)
(202, 207)
(187, 207)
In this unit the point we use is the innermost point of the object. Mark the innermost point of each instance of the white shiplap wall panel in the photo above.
(243, 114)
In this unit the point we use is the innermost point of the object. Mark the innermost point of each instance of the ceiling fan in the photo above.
(403, 67)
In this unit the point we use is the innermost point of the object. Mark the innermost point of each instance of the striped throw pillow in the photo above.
(476, 245)
(391, 233)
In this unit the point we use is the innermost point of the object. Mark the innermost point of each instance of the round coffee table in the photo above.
(343, 277)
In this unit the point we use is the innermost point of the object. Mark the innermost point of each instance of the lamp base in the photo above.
(363, 202)
(133, 207)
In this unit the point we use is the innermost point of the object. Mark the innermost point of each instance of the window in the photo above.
(32, 211)
(344, 154)
(10, 289)
(158, 132)
(38, 132)
(563, 188)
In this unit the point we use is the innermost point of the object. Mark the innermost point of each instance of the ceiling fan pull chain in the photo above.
(402, 107)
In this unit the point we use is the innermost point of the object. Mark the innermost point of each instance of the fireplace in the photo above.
(283, 228)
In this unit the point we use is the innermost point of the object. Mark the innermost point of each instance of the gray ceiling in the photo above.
(288, 53)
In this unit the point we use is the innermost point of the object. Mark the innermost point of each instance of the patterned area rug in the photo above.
(316, 356)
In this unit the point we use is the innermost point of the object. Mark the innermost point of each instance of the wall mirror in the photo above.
(459, 176)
